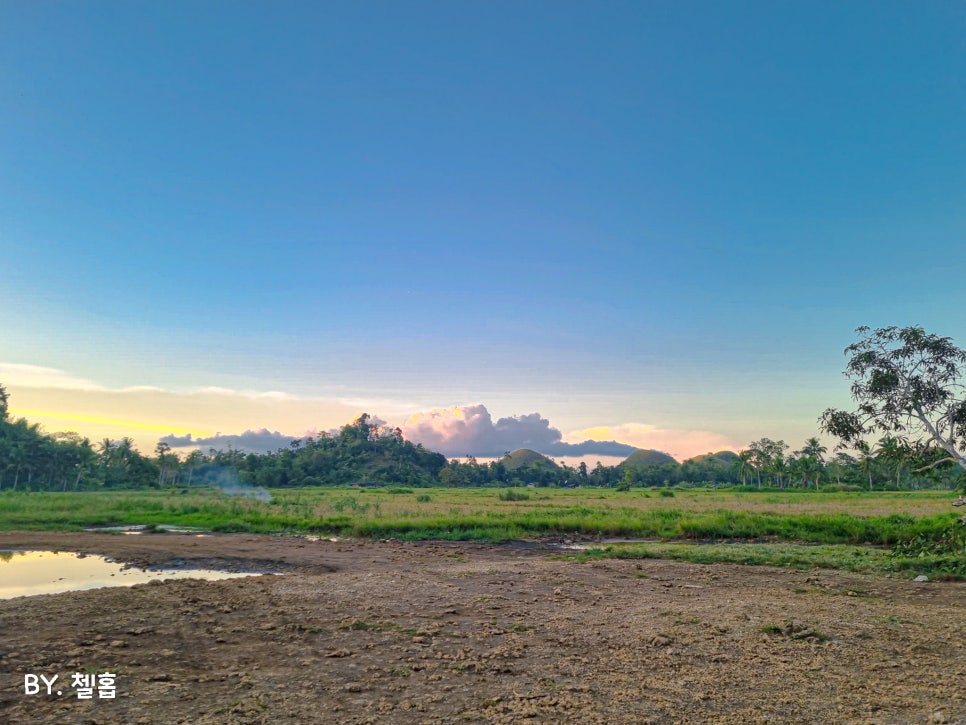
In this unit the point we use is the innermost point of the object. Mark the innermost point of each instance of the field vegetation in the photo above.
(913, 532)
(762, 504)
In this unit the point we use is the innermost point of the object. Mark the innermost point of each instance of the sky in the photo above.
(555, 223)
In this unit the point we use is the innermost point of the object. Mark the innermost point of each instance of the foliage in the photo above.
(907, 384)
(950, 541)
(512, 494)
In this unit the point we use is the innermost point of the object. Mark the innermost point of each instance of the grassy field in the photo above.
(853, 528)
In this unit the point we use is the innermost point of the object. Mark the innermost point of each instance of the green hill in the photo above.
(721, 457)
(524, 458)
(645, 458)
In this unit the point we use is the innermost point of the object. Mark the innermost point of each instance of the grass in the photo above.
(866, 559)
(800, 529)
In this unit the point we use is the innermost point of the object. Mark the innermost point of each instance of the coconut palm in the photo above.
(865, 459)
(813, 458)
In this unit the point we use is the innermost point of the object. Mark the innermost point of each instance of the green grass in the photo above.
(865, 559)
(847, 530)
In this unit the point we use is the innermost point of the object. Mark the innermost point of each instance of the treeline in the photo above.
(365, 453)
(764, 464)
(361, 452)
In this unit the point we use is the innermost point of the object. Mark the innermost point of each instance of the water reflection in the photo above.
(23, 573)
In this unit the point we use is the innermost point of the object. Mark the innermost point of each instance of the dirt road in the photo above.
(393, 632)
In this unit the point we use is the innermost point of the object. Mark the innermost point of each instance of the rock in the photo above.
(921, 578)
(339, 653)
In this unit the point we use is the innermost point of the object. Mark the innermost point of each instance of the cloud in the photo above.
(252, 394)
(251, 441)
(470, 430)
(59, 400)
(37, 376)
(682, 444)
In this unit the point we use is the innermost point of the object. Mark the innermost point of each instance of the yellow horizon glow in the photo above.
(116, 422)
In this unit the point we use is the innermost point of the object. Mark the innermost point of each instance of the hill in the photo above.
(721, 457)
(646, 458)
(524, 458)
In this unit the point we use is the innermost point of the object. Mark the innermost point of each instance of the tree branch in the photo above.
(950, 459)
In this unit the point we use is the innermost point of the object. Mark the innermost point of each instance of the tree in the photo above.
(908, 384)
(865, 459)
(893, 451)
(841, 461)
(742, 462)
(813, 458)
(768, 456)
(165, 456)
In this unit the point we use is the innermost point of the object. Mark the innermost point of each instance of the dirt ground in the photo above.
(396, 632)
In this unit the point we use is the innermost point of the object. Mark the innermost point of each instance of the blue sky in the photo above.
(668, 215)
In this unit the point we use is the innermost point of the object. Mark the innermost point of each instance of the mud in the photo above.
(395, 632)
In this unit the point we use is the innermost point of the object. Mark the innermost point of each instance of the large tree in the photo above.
(909, 385)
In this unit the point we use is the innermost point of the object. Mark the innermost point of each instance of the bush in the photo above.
(423, 497)
(512, 494)
(951, 541)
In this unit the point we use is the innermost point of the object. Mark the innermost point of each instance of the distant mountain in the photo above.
(721, 457)
(645, 458)
(524, 458)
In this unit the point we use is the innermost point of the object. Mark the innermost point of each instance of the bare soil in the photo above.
(396, 632)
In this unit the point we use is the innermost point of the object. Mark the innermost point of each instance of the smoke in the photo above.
(470, 430)
(227, 481)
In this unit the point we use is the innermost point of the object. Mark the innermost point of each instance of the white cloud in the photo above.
(37, 376)
(470, 430)
(252, 394)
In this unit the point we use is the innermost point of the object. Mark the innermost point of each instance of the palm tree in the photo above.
(742, 462)
(107, 451)
(815, 452)
(865, 459)
(779, 464)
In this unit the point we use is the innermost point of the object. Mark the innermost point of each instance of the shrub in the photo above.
(512, 494)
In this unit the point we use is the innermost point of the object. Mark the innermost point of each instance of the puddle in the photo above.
(585, 545)
(24, 573)
(142, 528)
